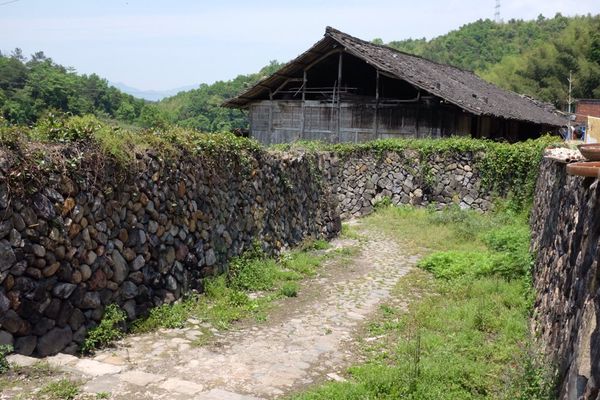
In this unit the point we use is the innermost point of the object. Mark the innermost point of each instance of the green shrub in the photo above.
(511, 238)
(289, 289)
(473, 264)
(5, 350)
(455, 264)
(109, 329)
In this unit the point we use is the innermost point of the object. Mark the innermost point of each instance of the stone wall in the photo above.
(74, 241)
(566, 238)
(362, 179)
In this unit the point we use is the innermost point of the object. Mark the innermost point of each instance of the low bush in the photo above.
(111, 328)
(5, 350)
(289, 289)
(455, 264)
(169, 316)
(253, 271)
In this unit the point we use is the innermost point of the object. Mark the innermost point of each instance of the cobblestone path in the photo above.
(307, 340)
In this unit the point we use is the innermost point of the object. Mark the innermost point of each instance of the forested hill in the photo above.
(201, 108)
(530, 57)
(35, 86)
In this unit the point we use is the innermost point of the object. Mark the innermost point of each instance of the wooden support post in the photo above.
(417, 118)
(302, 121)
(270, 112)
(376, 117)
(339, 105)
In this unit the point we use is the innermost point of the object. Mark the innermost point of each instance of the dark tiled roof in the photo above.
(457, 86)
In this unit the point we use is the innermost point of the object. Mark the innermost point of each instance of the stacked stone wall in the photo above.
(566, 240)
(364, 179)
(72, 242)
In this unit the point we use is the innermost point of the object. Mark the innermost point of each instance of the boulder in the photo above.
(54, 341)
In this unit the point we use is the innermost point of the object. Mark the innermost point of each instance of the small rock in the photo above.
(7, 255)
(121, 269)
(6, 338)
(15, 238)
(138, 263)
(86, 272)
(5, 228)
(90, 257)
(210, 257)
(43, 206)
(4, 303)
(63, 290)
(91, 300)
(129, 290)
(11, 321)
(51, 269)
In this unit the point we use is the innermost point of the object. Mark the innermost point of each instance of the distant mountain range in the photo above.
(151, 95)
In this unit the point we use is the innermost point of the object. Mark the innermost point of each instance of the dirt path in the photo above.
(306, 340)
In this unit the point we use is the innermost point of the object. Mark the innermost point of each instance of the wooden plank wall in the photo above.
(280, 121)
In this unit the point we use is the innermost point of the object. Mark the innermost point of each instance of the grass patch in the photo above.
(63, 389)
(227, 298)
(465, 334)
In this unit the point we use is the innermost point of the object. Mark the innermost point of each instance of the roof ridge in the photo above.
(329, 30)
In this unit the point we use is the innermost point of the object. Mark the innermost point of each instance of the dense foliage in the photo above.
(543, 71)
(30, 88)
(119, 143)
(530, 57)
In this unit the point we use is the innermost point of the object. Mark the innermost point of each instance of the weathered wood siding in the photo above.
(280, 121)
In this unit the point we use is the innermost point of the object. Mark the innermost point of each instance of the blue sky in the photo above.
(165, 44)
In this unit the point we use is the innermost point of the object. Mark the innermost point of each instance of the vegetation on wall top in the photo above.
(505, 168)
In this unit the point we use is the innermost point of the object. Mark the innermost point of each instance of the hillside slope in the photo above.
(31, 88)
(530, 57)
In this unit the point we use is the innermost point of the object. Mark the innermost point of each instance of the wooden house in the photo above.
(344, 89)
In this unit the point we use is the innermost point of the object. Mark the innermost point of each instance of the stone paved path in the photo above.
(307, 340)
